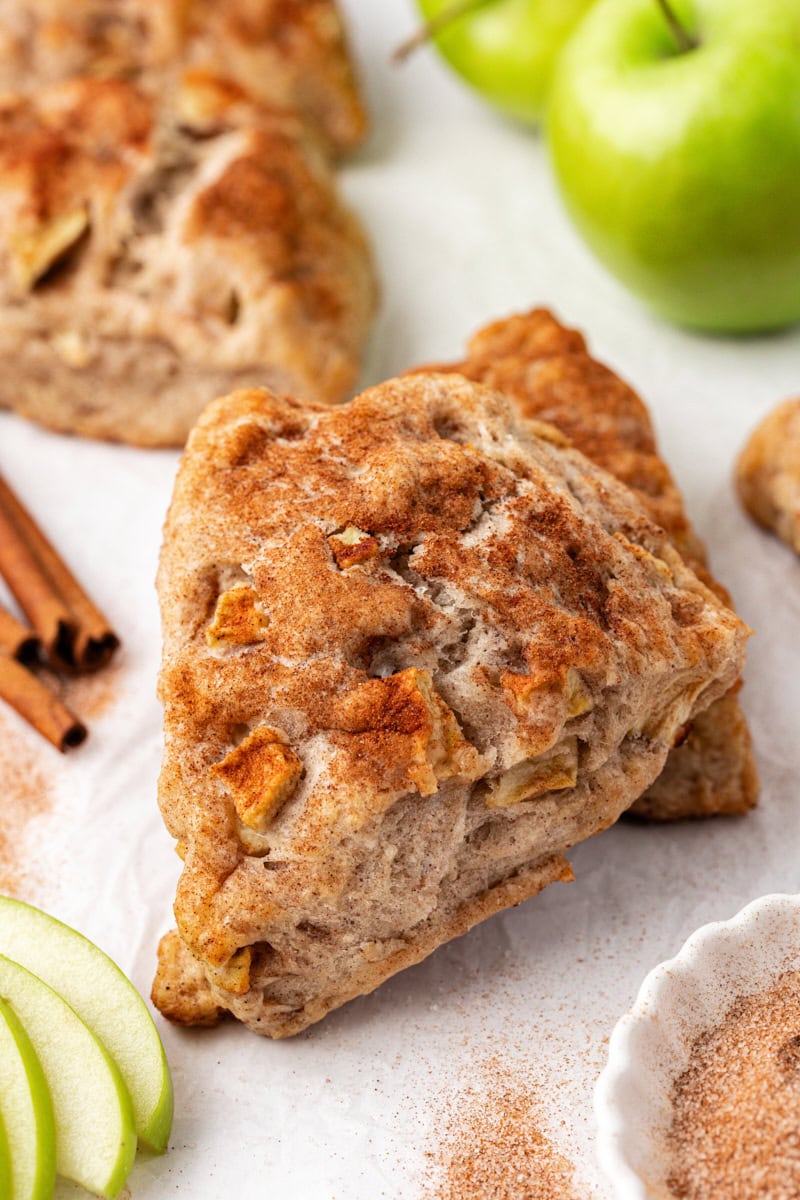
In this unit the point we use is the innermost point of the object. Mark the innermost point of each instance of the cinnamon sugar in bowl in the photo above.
(700, 1097)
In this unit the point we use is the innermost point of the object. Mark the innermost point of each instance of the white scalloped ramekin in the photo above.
(650, 1046)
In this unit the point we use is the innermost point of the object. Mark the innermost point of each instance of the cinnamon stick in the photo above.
(75, 634)
(40, 707)
(17, 639)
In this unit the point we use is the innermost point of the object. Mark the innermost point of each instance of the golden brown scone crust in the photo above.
(547, 369)
(181, 991)
(768, 473)
(290, 54)
(153, 256)
(414, 649)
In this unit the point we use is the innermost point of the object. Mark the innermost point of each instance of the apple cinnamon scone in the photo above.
(548, 371)
(155, 256)
(768, 473)
(288, 53)
(415, 648)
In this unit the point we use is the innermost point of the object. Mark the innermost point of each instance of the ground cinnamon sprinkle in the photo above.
(89, 696)
(736, 1127)
(26, 795)
(491, 1147)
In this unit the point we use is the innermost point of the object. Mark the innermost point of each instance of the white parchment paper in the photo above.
(467, 226)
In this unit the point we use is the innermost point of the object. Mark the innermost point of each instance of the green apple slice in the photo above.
(105, 1000)
(5, 1162)
(95, 1135)
(27, 1128)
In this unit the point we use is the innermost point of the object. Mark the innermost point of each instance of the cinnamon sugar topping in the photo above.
(26, 796)
(736, 1127)
(493, 1148)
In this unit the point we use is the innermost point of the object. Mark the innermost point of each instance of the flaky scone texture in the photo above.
(768, 473)
(414, 649)
(290, 54)
(153, 256)
(549, 373)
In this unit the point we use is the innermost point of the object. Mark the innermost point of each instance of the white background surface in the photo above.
(467, 227)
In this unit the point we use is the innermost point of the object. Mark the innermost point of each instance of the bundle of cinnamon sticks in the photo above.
(66, 631)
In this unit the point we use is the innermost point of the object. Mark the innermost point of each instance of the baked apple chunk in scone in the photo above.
(414, 650)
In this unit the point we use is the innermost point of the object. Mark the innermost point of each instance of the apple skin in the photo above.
(682, 170)
(105, 999)
(5, 1162)
(506, 49)
(28, 1138)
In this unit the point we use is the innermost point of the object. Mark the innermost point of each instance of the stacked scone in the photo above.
(548, 373)
(415, 648)
(768, 473)
(170, 225)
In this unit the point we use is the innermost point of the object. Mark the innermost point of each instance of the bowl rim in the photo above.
(624, 1179)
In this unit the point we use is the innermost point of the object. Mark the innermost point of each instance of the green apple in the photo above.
(95, 1136)
(681, 167)
(507, 48)
(27, 1127)
(105, 1000)
(5, 1161)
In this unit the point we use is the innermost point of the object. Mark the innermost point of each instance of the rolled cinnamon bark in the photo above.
(75, 634)
(17, 639)
(37, 705)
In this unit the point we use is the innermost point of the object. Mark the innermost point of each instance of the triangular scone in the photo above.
(154, 256)
(548, 371)
(768, 473)
(288, 53)
(414, 649)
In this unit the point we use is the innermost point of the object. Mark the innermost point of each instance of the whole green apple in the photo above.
(506, 49)
(681, 167)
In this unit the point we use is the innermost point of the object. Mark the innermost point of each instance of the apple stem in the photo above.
(685, 41)
(428, 31)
